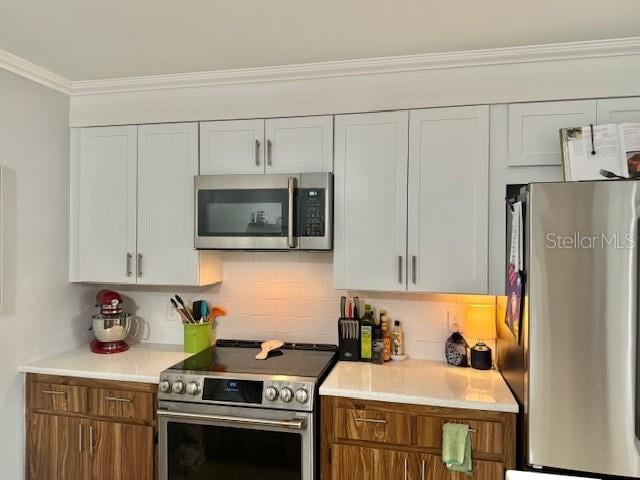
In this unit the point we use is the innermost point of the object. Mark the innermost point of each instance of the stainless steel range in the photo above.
(224, 414)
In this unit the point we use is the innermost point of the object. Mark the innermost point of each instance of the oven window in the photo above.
(202, 452)
(243, 213)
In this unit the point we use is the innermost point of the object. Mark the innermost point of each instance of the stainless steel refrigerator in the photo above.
(574, 368)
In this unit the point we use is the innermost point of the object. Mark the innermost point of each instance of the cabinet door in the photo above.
(448, 200)
(482, 470)
(534, 137)
(103, 204)
(357, 463)
(234, 146)
(370, 210)
(404, 466)
(299, 145)
(55, 447)
(619, 110)
(121, 451)
(167, 164)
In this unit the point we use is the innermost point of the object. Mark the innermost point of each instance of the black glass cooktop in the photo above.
(239, 356)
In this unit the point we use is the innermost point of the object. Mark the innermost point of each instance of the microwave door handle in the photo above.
(291, 186)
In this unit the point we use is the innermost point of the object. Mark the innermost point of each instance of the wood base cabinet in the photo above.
(367, 440)
(80, 429)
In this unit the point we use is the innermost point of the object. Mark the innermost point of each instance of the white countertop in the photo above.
(143, 362)
(421, 382)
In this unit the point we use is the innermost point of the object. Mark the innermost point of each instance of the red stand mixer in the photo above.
(111, 326)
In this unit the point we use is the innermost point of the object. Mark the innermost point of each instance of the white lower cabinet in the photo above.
(411, 203)
(132, 207)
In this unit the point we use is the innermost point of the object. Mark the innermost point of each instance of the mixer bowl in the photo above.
(111, 328)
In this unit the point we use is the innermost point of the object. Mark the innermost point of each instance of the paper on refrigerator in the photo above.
(516, 252)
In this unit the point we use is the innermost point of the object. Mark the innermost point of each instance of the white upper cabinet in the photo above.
(289, 145)
(448, 200)
(131, 183)
(299, 145)
(371, 201)
(167, 164)
(103, 205)
(233, 146)
(534, 129)
(619, 110)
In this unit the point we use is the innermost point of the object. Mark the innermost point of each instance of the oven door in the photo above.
(245, 212)
(207, 442)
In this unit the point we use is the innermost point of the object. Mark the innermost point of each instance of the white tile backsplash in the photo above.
(290, 296)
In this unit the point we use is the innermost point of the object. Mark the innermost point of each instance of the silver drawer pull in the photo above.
(117, 399)
(52, 392)
(472, 430)
(371, 420)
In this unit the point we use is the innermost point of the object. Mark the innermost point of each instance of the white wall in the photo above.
(290, 296)
(41, 312)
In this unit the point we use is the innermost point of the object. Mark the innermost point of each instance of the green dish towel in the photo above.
(456, 447)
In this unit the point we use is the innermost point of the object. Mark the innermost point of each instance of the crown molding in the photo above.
(369, 66)
(23, 68)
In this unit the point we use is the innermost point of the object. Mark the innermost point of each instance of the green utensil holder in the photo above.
(197, 337)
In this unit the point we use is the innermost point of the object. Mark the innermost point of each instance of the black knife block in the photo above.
(348, 347)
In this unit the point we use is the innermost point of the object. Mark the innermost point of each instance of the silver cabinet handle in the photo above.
(80, 438)
(291, 187)
(91, 445)
(129, 264)
(257, 152)
(269, 153)
(423, 469)
(294, 423)
(117, 399)
(370, 420)
(414, 268)
(52, 392)
(139, 264)
(400, 269)
(405, 468)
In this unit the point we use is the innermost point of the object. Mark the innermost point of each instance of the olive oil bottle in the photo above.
(367, 325)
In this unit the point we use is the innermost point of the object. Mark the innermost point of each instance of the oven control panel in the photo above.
(268, 393)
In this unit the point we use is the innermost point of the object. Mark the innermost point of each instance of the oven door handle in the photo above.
(294, 423)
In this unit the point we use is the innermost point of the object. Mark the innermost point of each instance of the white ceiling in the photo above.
(88, 39)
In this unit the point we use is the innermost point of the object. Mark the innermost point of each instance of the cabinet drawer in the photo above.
(487, 437)
(121, 404)
(373, 426)
(57, 398)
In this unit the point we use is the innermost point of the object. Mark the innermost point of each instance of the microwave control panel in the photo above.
(311, 212)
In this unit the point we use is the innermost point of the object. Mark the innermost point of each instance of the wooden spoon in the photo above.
(267, 347)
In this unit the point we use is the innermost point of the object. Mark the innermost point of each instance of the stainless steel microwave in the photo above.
(264, 212)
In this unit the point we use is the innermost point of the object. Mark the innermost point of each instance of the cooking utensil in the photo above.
(197, 311)
(267, 347)
(356, 308)
(343, 305)
(204, 311)
(181, 311)
(185, 309)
